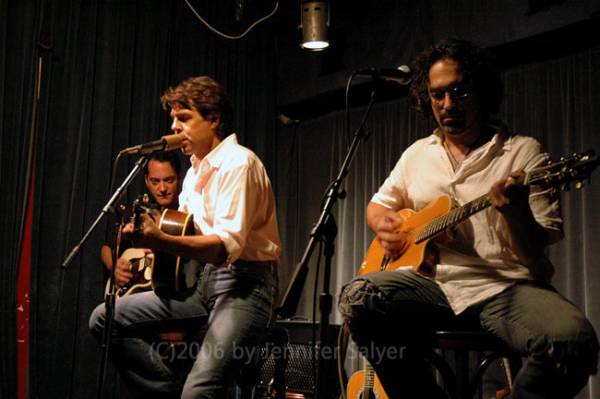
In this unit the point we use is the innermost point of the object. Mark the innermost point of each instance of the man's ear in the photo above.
(215, 120)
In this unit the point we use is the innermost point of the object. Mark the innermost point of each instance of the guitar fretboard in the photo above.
(455, 216)
(369, 380)
(452, 218)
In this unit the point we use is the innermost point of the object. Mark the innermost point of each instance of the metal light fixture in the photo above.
(314, 23)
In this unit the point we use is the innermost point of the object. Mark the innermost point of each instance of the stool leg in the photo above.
(511, 366)
(477, 378)
(281, 362)
(445, 371)
(461, 364)
(279, 376)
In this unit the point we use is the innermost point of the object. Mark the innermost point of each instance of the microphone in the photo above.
(165, 143)
(401, 75)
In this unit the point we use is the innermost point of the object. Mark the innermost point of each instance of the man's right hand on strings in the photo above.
(387, 224)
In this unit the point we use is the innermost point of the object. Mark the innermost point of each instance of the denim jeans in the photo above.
(235, 303)
(399, 310)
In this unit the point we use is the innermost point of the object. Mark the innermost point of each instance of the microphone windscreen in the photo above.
(174, 141)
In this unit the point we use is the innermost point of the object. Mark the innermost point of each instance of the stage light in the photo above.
(314, 24)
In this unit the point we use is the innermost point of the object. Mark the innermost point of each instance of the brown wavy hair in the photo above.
(205, 95)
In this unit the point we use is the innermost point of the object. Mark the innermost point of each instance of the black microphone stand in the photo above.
(109, 299)
(325, 230)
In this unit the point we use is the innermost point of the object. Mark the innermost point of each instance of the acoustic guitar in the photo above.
(442, 214)
(169, 274)
(172, 274)
(365, 384)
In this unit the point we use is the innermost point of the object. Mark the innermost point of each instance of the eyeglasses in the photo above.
(456, 93)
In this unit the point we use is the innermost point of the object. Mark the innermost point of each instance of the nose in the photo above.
(162, 186)
(175, 126)
(448, 102)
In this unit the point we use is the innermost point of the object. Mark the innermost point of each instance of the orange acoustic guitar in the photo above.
(442, 214)
(364, 384)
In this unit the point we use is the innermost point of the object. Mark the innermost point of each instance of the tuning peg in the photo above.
(579, 185)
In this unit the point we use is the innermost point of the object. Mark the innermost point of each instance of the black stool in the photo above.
(276, 345)
(458, 383)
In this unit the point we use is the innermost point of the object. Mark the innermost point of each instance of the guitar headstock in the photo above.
(576, 168)
(141, 205)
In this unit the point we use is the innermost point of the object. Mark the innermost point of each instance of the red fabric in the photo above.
(22, 298)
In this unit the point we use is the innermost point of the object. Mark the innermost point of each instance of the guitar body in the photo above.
(172, 274)
(360, 386)
(416, 254)
(142, 274)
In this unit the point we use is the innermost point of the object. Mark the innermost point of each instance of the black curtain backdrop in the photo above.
(106, 64)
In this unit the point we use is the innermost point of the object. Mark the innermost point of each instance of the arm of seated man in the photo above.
(386, 224)
(205, 248)
(512, 201)
(123, 271)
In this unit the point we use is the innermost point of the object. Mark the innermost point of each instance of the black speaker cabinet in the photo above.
(302, 367)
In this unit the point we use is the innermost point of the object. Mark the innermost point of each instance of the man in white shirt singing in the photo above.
(229, 195)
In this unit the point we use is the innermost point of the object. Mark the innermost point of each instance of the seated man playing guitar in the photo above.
(162, 175)
(489, 271)
(229, 195)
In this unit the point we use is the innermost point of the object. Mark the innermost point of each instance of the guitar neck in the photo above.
(369, 378)
(456, 216)
(453, 218)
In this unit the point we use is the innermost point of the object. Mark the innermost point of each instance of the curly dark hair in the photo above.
(477, 66)
(205, 95)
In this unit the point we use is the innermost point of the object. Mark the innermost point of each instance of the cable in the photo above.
(214, 30)
(347, 110)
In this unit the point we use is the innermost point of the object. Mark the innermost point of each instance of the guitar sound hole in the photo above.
(384, 263)
(370, 394)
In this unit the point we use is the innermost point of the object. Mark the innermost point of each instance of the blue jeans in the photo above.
(235, 302)
(401, 309)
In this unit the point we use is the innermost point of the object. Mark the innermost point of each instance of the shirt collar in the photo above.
(498, 139)
(216, 156)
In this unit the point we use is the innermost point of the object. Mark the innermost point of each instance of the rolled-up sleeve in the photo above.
(236, 203)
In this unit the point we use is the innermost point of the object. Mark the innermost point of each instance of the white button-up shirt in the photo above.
(229, 194)
(483, 260)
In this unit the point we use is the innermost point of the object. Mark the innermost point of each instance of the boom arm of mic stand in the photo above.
(291, 298)
(139, 165)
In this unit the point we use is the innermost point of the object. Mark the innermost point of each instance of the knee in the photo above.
(575, 351)
(358, 297)
(361, 302)
(96, 321)
(582, 349)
